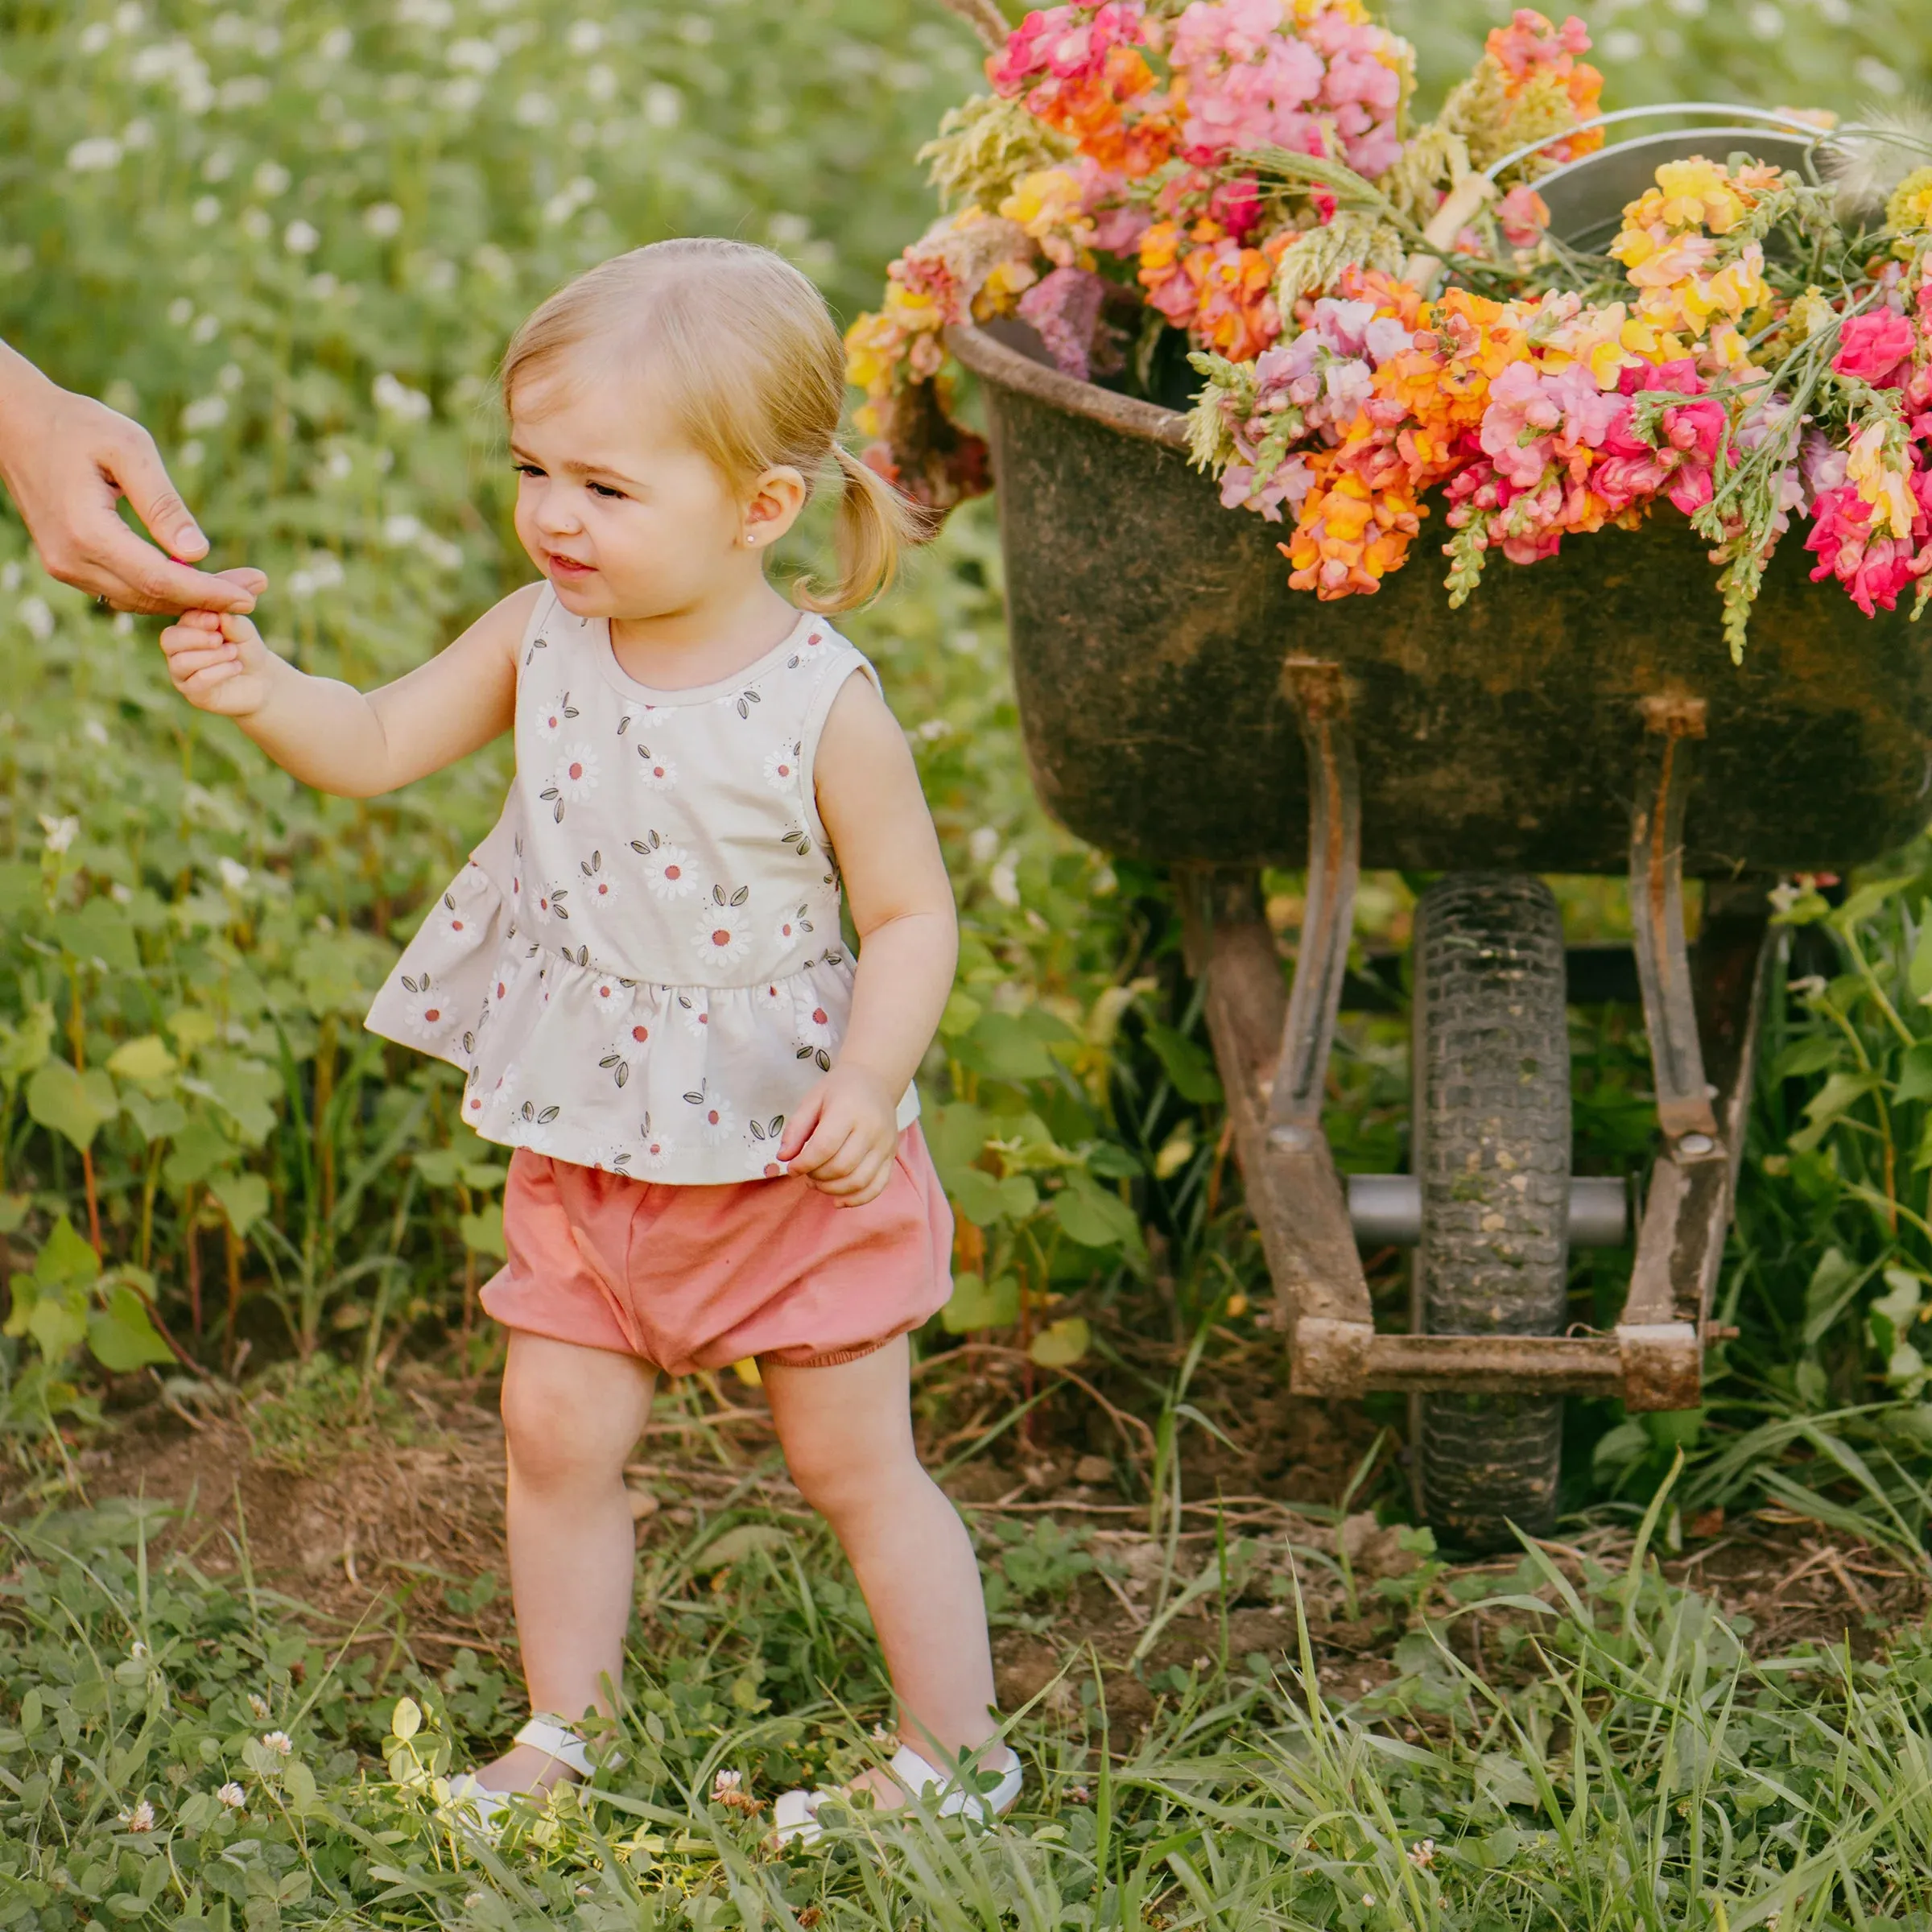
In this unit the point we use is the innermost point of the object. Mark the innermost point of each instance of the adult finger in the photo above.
(136, 466)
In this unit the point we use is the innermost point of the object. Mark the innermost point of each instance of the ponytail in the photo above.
(876, 523)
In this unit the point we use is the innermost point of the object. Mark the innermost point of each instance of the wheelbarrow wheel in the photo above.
(1490, 1047)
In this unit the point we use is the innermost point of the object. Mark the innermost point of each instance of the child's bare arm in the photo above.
(339, 740)
(901, 905)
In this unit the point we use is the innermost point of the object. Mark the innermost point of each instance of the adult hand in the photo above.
(67, 461)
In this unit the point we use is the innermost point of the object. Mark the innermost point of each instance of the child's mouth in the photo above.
(569, 567)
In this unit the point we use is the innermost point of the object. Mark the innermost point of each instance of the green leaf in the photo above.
(1095, 1218)
(976, 1195)
(1003, 1047)
(100, 932)
(58, 1323)
(485, 1176)
(192, 1027)
(1190, 1069)
(1019, 1198)
(13, 1211)
(1061, 1344)
(65, 1259)
(158, 1117)
(122, 1336)
(484, 1233)
(329, 968)
(20, 888)
(74, 1105)
(438, 1165)
(1915, 1077)
(25, 1044)
(738, 1542)
(1918, 974)
(1111, 1162)
(1834, 1282)
(199, 1148)
(962, 1010)
(243, 1089)
(1840, 1092)
(147, 1058)
(1812, 1054)
(979, 1304)
(1860, 904)
(244, 1198)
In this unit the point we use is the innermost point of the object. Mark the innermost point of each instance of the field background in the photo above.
(251, 1475)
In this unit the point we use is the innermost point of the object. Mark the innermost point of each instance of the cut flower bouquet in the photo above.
(1228, 206)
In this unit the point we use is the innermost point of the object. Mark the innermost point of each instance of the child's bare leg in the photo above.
(570, 1416)
(847, 1433)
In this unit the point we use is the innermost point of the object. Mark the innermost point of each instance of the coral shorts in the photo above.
(686, 1277)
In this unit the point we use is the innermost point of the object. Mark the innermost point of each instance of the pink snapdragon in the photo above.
(1065, 307)
(1534, 420)
(1873, 569)
(1056, 44)
(1680, 464)
(1876, 348)
(1243, 81)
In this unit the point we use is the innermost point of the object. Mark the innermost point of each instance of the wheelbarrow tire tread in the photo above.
(1491, 1126)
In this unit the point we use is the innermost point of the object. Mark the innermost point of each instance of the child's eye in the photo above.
(526, 469)
(604, 489)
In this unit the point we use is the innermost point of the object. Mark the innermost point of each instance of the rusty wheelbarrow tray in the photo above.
(1181, 704)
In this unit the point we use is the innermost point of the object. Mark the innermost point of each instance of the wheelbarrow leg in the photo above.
(1274, 1063)
(1703, 1019)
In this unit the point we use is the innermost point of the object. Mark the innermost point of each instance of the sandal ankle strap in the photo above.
(560, 1742)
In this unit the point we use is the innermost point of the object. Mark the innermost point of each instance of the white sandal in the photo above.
(480, 1809)
(795, 1815)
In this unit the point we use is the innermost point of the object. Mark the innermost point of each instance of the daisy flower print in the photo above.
(573, 781)
(793, 928)
(657, 1148)
(723, 932)
(550, 718)
(656, 772)
(428, 1011)
(668, 871)
(696, 1014)
(597, 888)
(716, 1122)
(781, 768)
(552, 902)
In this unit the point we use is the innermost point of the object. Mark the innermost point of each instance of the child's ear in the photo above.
(776, 499)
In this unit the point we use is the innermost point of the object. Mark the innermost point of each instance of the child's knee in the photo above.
(562, 1429)
(841, 1473)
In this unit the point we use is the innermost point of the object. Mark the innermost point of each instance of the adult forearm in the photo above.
(322, 731)
(905, 976)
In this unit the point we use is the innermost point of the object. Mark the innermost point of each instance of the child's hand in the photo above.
(218, 663)
(844, 1135)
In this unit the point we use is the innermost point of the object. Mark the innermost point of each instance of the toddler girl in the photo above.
(641, 973)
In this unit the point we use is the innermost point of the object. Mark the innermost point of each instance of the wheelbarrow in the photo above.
(1181, 705)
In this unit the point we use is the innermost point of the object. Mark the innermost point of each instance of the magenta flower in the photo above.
(1875, 348)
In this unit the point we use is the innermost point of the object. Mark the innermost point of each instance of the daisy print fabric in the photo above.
(641, 967)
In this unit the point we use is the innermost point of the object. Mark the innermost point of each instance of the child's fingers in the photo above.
(866, 1183)
(184, 664)
(820, 1157)
(179, 637)
(237, 630)
(204, 684)
(799, 1127)
(851, 1169)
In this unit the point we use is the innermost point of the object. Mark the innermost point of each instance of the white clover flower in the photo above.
(59, 832)
(257, 1704)
(232, 1795)
(234, 876)
(35, 613)
(138, 133)
(128, 16)
(218, 165)
(1422, 1854)
(206, 326)
(726, 1780)
(95, 36)
(206, 412)
(382, 219)
(180, 312)
(337, 44)
(533, 109)
(256, 225)
(401, 531)
(437, 13)
(395, 397)
(95, 155)
(279, 1742)
(584, 37)
(1004, 882)
(577, 193)
(600, 81)
(984, 846)
(473, 56)
(141, 1818)
(190, 453)
(301, 238)
(137, 1649)
(461, 95)
(664, 105)
(272, 178)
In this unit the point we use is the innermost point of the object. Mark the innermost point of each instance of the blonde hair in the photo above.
(750, 361)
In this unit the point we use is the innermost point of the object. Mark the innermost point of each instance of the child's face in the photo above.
(614, 505)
